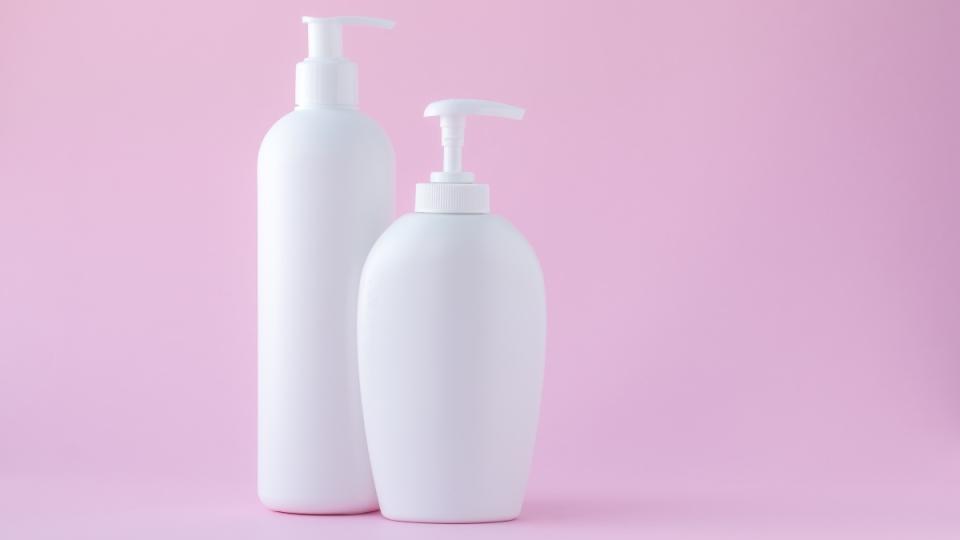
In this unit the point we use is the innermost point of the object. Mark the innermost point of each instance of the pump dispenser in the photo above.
(325, 192)
(325, 77)
(453, 190)
(451, 336)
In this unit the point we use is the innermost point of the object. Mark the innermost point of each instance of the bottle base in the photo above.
(465, 519)
(318, 512)
(306, 509)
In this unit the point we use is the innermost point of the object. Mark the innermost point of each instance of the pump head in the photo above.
(325, 77)
(453, 190)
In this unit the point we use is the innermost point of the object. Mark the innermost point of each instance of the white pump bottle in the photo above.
(452, 330)
(325, 192)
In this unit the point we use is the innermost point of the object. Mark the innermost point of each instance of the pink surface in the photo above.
(747, 214)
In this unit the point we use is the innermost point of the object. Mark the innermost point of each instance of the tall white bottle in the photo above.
(452, 329)
(325, 192)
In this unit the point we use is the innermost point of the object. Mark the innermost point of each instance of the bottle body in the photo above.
(325, 192)
(452, 329)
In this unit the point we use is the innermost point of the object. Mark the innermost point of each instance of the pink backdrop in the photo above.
(748, 214)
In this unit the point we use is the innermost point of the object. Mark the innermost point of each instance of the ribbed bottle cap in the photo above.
(450, 198)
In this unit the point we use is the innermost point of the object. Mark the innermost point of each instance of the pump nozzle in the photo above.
(325, 77)
(453, 190)
(325, 36)
(453, 121)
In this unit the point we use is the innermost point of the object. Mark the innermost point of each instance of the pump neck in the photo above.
(453, 190)
(325, 78)
(326, 83)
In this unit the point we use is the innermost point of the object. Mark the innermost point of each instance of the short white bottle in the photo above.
(452, 330)
(325, 192)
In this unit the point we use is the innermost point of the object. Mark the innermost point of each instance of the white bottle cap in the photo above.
(453, 190)
(325, 77)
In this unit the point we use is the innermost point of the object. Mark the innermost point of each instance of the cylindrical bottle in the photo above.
(452, 330)
(325, 192)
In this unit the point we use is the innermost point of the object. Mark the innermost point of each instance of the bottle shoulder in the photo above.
(425, 238)
(462, 227)
(343, 126)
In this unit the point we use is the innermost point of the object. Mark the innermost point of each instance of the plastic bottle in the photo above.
(452, 330)
(325, 192)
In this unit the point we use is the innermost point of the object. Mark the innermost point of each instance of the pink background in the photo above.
(748, 214)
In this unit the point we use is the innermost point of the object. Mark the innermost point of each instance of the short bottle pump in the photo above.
(453, 191)
(451, 336)
(325, 77)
